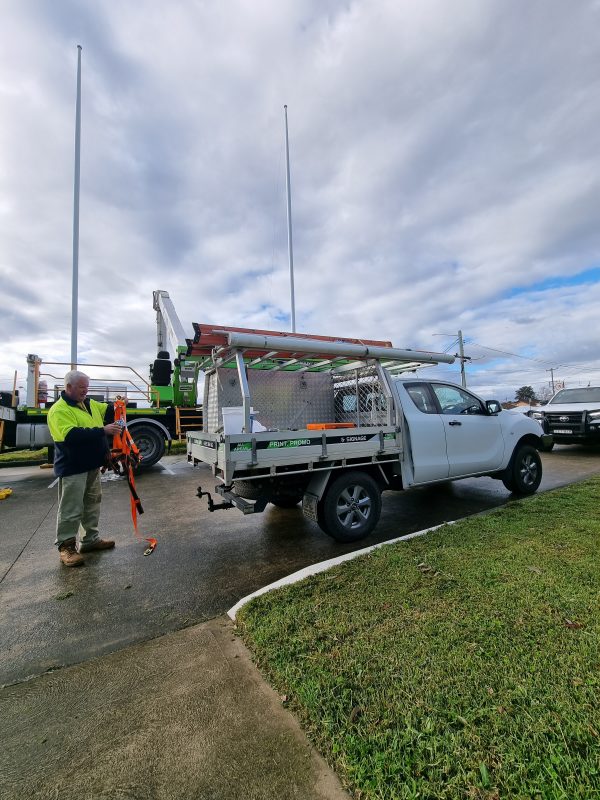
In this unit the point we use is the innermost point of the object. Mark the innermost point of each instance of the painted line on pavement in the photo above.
(54, 482)
(322, 566)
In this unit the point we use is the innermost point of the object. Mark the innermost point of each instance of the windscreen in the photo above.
(588, 394)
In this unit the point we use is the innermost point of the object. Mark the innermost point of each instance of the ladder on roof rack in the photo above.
(270, 350)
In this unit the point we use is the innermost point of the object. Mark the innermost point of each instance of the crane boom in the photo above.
(170, 334)
(173, 382)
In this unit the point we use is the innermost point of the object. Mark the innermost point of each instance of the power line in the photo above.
(534, 374)
(506, 353)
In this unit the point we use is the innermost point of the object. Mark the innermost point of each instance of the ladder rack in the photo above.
(270, 350)
(245, 351)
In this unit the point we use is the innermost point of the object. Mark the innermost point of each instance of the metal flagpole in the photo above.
(74, 291)
(289, 221)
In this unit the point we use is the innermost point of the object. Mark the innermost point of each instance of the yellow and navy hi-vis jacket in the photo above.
(77, 429)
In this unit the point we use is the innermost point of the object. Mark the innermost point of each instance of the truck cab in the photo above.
(452, 433)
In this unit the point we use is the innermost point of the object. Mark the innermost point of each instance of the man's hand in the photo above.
(112, 428)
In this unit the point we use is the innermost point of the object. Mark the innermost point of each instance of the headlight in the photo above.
(538, 415)
(594, 415)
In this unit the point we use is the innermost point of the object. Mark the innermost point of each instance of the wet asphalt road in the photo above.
(51, 616)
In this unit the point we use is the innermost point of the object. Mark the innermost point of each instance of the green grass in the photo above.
(178, 447)
(21, 456)
(463, 664)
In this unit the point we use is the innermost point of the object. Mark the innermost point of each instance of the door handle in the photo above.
(455, 422)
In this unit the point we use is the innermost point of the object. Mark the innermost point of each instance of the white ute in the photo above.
(290, 418)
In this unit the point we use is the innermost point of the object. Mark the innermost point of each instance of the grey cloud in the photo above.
(440, 157)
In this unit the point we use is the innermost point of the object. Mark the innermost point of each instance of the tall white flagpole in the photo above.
(74, 291)
(289, 221)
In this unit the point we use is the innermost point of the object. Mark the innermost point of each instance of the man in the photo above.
(79, 430)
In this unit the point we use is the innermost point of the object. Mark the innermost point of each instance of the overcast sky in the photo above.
(445, 175)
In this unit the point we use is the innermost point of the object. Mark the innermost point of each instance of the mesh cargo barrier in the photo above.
(291, 401)
(359, 397)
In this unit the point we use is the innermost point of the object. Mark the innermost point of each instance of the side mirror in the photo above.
(493, 406)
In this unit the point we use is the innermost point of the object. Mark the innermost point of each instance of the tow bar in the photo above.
(232, 500)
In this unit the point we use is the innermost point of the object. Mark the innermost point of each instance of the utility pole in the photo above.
(551, 371)
(460, 355)
(463, 377)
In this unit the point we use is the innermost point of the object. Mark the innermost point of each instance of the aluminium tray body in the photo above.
(285, 452)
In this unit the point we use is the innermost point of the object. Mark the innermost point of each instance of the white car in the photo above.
(572, 416)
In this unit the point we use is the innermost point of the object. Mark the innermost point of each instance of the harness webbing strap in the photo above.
(124, 457)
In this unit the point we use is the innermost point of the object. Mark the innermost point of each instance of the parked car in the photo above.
(572, 416)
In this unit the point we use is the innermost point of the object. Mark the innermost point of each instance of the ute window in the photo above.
(588, 394)
(454, 400)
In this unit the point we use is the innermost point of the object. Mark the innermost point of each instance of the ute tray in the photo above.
(255, 455)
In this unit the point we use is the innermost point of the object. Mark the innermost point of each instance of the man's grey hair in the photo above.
(74, 375)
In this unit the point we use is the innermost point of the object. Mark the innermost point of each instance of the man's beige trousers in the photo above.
(79, 499)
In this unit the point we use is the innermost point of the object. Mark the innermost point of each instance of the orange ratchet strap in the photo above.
(125, 457)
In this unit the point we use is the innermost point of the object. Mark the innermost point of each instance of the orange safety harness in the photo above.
(124, 458)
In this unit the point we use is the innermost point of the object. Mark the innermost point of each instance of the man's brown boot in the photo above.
(69, 555)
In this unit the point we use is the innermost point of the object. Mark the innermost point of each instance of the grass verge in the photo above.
(463, 664)
(23, 456)
(178, 447)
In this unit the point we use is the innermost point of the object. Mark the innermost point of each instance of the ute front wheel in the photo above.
(525, 471)
(351, 507)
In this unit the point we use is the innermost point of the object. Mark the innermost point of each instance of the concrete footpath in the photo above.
(186, 715)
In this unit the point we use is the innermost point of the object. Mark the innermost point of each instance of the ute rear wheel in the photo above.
(525, 471)
(351, 507)
(150, 442)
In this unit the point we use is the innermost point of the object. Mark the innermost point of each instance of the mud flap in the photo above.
(309, 506)
(314, 492)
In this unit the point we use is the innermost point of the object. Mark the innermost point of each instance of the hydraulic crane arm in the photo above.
(180, 389)
(170, 334)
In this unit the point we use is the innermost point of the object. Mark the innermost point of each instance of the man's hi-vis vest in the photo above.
(78, 433)
(64, 416)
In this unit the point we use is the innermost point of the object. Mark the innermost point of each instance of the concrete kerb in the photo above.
(322, 566)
